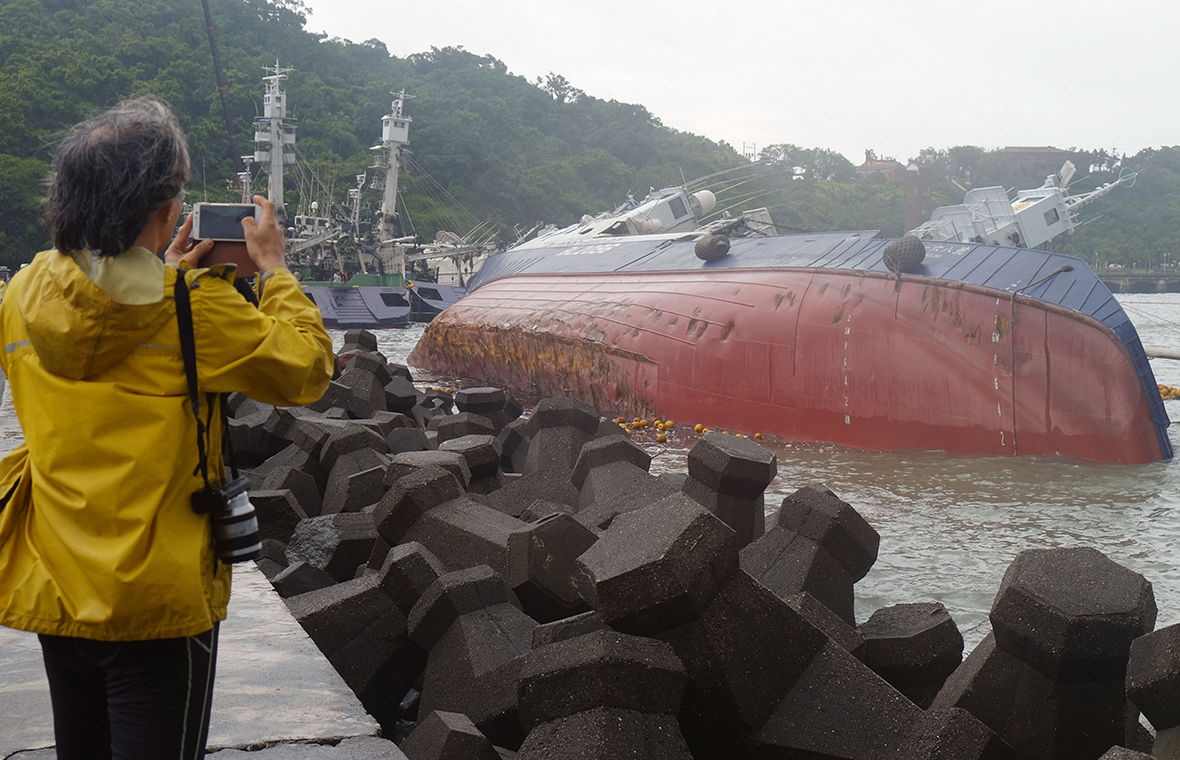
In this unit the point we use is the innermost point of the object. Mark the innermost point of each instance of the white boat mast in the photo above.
(274, 134)
(246, 180)
(395, 135)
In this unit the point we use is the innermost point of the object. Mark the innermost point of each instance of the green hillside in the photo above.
(487, 146)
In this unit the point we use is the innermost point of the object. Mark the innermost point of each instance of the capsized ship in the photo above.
(982, 348)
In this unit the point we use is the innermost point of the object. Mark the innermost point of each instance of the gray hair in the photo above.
(112, 173)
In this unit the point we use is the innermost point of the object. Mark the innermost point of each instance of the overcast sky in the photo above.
(846, 74)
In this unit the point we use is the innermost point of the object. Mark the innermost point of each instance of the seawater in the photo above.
(950, 525)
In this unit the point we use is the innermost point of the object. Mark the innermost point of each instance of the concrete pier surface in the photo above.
(273, 686)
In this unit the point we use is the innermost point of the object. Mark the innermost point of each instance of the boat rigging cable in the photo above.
(223, 90)
(1161, 323)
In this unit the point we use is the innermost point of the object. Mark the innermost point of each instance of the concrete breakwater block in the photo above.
(336, 615)
(612, 694)
(738, 664)
(611, 475)
(474, 669)
(953, 734)
(517, 495)
(347, 438)
(463, 532)
(358, 340)
(407, 571)
(1072, 613)
(450, 597)
(447, 736)
(1153, 685)
(303, 487)
(492, 403)
(482, 456)
(603, 451)
(458, 425)
(556, 432)
(252, 442)
(568, 628)
(607, 732)
(293, 457)
(727, 475)
(599, 669)
(336, 544)
(1050, 678)
(410, 497)
(819, 545)
(514, 445)
(278, 513)
(1122, 753)
(363, 634)
(658, 567)
(400, 395)
(354, 491)
(542, 566)
(914, 647)
(837, 707)
(488, 541)
(831, 624)
(408, 462)
(299, 578)
(481, 400)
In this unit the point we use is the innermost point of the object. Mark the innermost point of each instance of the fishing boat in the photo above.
(978, 346)
(369, 288)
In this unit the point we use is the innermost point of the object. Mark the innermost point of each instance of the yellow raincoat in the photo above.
(98, 539)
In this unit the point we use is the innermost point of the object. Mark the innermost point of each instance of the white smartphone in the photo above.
(222, 221)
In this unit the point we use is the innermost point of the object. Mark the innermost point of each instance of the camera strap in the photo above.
(188, 350)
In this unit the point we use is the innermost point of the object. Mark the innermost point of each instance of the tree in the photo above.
(808, 163)
(560, 88)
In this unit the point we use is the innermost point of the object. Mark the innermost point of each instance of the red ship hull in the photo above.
(864, 359)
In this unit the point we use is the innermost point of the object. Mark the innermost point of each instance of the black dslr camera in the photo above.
(235, 522)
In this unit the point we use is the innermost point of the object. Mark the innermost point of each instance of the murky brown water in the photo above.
(950, 525)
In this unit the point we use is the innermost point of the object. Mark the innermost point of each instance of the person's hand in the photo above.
(264, 239)
(182, 249)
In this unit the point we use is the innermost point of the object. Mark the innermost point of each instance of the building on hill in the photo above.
(890, 169)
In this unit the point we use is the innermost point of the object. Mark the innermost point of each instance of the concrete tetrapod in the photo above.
(914, 647)
(603, 694)
(542, 566)
(447, 736)
(1153, 684)
(1049, 679)
(819, 545)
(658, 567)
(728, 475)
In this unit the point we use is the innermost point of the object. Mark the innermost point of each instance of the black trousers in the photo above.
(131, 700)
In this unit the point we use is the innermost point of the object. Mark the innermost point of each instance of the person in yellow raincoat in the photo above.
(101, 551)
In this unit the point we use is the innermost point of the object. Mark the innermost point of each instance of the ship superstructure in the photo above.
(274, 134)
(1032, 218)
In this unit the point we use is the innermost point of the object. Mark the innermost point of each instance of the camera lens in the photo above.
(235, 529)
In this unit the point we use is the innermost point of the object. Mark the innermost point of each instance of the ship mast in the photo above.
(395, 135)
(274, 134)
